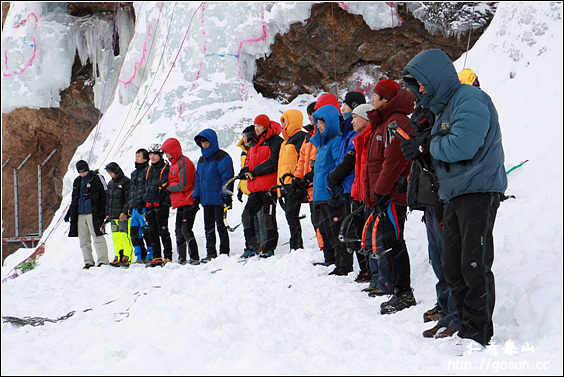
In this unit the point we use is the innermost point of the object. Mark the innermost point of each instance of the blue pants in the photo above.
(137, 226)
(448, 313)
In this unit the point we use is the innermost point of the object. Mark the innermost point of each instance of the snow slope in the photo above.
(283, 315)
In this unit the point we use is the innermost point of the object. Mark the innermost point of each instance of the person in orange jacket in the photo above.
(292, 124)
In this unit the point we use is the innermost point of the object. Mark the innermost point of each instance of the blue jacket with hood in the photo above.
(466, 138)
(328, 145)
(214, 169)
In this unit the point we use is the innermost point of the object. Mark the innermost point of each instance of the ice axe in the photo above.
(225, 209)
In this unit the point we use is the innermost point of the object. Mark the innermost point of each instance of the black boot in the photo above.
(399, 301)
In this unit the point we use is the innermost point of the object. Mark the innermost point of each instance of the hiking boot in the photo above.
(446, 333)
(430, 333)
(375, 292)
(155, 262)
(321, 264)
(208, 258)
(247, 253)
(182, 262)
(167, 260)
(87, 266)
(101, 264)
(363, 277)
(194, 262)
(432, 314)
(398, 302)
(266, 253)
(116, 262)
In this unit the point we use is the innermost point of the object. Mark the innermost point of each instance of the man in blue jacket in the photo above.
(214, 169)
(467, 154)
(327, 140)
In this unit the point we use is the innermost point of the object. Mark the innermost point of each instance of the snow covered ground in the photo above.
(282, 315)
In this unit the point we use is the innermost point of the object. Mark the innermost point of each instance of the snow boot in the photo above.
(249, 252)
(432, 314)
(266, 253)
(398, 302)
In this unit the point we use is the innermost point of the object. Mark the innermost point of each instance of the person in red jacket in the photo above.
(261, 172)
(385, 164)
(181, 181)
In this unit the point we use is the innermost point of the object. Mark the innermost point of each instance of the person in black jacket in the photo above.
(157, 203)
(87, 212)
(138, 229)
(117, 215)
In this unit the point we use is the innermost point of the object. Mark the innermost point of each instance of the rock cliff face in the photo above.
(332, 51)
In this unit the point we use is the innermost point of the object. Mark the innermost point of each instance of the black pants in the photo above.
(157, 218)
(393, 241)
(468, 258)
(213, 216)
(330, 219)
(355, 231)
(293, 218)
(185, 217)
(256, 202)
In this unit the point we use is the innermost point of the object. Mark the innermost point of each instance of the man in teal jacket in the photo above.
(467, 153)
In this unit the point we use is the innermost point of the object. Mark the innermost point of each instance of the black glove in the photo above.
(197, 201)
(243, 173)
(335, 200)
(422, 119)
(381, 207)
(308, 178)
(401, 184)
(415, 147)
(67, 217)
(240, 196)
(227, 201)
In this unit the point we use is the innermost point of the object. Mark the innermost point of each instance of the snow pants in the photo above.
(330, 220)
(213, 217)
(260, 201)
(468, 259)
(185, 238)
(293, 218)
(157, 220)
(123, 249)
(139, 234)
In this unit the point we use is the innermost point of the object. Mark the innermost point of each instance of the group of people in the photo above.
(435, 147)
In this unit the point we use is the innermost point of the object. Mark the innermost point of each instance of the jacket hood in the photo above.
(210, 136)
(435, 71)
(273, 129)
(172, 147)
(294, 123)
(333, 126)
(115, 168)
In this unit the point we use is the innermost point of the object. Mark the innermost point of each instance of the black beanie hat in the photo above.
(353, 99)
(82, 166)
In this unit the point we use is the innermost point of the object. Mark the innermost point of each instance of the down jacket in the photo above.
(385, 162)
(293, 140)
(95, 190)
(328, 144)
(137, 185)
(181, 175)
(118, 192)
(262, 159)
(215, 169)
(466, 142)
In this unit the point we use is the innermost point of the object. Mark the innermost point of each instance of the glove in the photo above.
(197, 201)
(243, 173)
(381, 207)
(415, 147)
(240, 196)
(335, 200)
(308, 178)
(67, 217)
(227, 201)
(401, 185)
(422, 119)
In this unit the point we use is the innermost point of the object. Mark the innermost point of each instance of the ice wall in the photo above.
(39, 45)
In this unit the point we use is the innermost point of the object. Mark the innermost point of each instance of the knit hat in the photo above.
(386, 88)
(262, 120)
(328, 99)
(353, 99)
(82, 166)
(361, 110)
